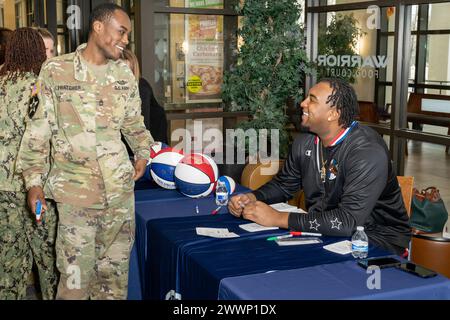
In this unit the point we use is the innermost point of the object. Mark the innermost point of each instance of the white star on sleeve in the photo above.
(314, 225)
(335, 224)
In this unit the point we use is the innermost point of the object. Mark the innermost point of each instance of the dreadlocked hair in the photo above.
(343, 97)
(25, 52)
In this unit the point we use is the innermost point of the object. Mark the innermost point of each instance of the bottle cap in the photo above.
(360, 228)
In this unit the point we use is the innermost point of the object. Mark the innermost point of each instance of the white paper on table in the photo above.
(254, 227)
(284, 207)
(216, 232)
(342, 247)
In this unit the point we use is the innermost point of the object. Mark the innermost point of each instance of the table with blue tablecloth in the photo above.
(170, 260)
(342, 280)
(154, 202)
(182, 264)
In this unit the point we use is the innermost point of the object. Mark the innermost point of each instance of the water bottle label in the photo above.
(360, 246)
(222, 197)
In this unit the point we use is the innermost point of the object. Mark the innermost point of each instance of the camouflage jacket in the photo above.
(14, 98)
(78, 121)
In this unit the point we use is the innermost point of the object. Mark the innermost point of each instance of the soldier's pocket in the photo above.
(69, 119)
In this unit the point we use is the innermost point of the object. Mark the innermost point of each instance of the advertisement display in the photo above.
(204, 58)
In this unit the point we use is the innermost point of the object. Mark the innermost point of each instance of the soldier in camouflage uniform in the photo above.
(21, 238)
(87, 99)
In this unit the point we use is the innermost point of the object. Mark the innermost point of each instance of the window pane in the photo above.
(438, 60)
(333, 2)
(439, 16)
(189, 66)
(60, 11)
(428, 113)
(347, 48)
(390, 55)
(204, 4)
(414, 17)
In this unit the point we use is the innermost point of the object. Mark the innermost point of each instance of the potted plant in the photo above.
(270, 68)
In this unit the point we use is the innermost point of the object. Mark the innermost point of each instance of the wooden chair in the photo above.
(436, 118)
(406, 187)
(368, 112)
(253, 178)
(431, 251)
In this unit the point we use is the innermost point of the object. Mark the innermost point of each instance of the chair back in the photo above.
(431, 251)
(406, 187)
(368, 112)
(258, 174)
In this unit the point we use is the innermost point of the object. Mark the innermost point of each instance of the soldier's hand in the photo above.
(139, 168)
(238, 203)
(35, 194)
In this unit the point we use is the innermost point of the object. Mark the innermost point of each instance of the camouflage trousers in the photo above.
(21, 241)
(93, 250)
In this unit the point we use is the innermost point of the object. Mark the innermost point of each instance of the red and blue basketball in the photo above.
(196, 175)
(163, 166)
(154, 149)
(229, 183)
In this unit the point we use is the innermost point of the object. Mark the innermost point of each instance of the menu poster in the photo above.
(205, 4)
(204, 59)
(204, 71)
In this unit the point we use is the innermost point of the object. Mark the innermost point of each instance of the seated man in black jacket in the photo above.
(344, 170)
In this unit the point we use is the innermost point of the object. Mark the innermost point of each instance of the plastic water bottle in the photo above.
(360, 244)
(221, 194)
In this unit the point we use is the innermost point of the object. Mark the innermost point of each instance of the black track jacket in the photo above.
(360, 189)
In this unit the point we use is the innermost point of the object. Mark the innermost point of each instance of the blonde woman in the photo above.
(154, 115)
(49, 42)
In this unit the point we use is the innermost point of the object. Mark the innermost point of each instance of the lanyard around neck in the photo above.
(338, 139)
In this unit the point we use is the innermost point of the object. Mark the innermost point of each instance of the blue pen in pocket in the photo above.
(38, 211)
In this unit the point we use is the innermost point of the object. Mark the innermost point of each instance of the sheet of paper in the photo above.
(215, 232)
(284, 207)
(342, 247)
(254, 227)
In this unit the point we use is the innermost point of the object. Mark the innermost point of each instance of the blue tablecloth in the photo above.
(154, 202)
(191, 266)
(344, 280)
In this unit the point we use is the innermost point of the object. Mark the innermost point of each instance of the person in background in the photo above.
(22, 238)
(154, 115)
(5, 33)
(88, 98)
(49, 42)
(345, 171)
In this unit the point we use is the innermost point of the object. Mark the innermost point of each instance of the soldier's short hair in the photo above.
(103, 13)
